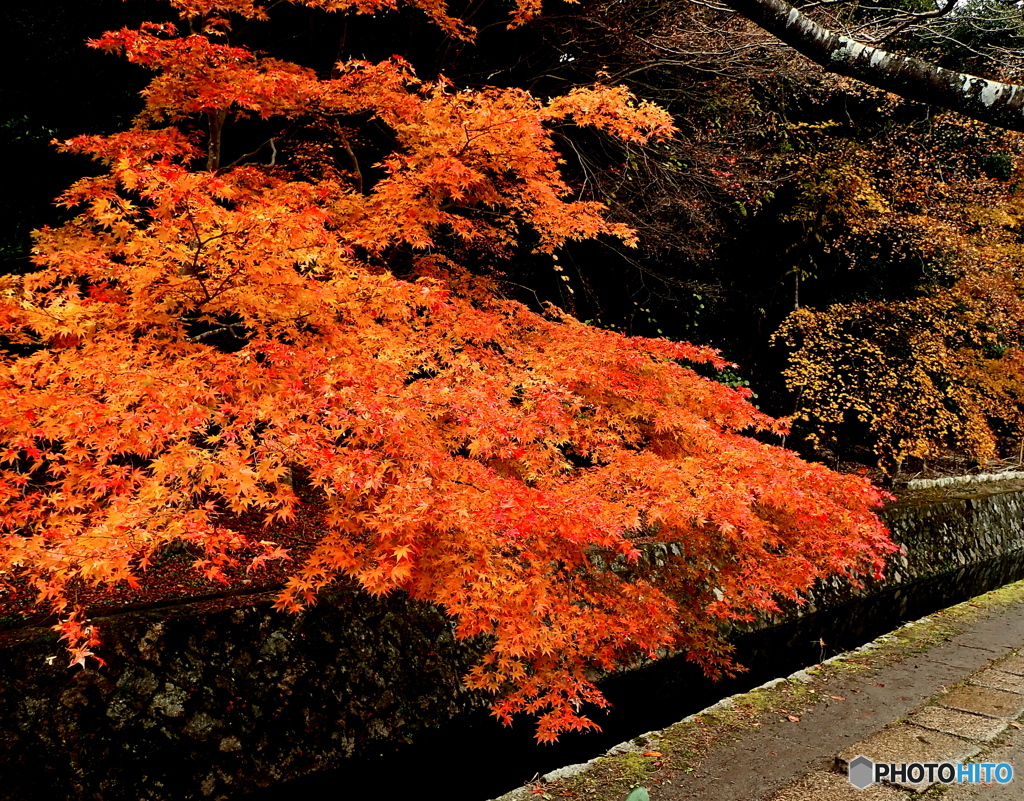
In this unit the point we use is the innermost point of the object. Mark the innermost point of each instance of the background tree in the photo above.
(916, 238)
(827, 191)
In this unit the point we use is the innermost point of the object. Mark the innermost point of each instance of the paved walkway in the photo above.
(866, 721)
(956, 701)
(960, 725)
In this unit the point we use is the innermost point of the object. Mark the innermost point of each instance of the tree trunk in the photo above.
(996, 103)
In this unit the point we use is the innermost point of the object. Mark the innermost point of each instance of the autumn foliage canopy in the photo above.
(211, 338)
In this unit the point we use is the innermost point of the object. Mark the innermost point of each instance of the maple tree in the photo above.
(210, 338)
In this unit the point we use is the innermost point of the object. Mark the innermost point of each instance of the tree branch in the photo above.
(999, 104)
(216, 120)
(913, 18)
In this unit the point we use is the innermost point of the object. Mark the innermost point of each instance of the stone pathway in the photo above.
(955, 727)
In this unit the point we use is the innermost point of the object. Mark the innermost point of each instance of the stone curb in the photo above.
(960, 481)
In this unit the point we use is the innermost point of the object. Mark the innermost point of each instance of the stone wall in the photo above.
(214, 699)
(942, 528)
(209, 700)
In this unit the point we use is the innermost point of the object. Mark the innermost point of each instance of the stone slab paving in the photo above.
(905, 742)
(825, 786)
(1012, 664)
(984, 701)
(959, 724)
(952, 728)
(999, 680)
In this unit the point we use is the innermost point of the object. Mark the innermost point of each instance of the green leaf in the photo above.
(639, 794)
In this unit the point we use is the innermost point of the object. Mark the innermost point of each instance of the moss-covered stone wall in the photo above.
(948, 527)
(208, 700)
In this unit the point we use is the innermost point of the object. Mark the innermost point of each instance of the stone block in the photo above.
(1014, 663)
(984, 701)
(999, 680)
(959, 724)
